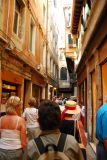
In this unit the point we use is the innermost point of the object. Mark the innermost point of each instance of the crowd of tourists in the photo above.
(56, 122)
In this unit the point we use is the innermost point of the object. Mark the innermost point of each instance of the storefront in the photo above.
(11, 84)
(9, 89)
(38, 87)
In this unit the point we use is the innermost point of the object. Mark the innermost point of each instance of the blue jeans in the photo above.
(101, 152)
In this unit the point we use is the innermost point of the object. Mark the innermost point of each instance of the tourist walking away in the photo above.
(13, 139)
(49, 118)
(101, 131)
(31, 116)
(73, 126)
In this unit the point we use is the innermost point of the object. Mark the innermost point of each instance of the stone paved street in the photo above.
(90, 153)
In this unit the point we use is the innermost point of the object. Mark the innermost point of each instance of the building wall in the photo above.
(92, 64)
(23, 64)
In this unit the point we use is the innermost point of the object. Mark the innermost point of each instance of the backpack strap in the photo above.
(60, 146)
(40, 145)
(61, 142)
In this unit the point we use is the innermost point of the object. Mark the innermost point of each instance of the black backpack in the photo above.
(51, 151)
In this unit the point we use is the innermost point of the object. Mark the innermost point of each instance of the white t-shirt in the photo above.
(31, 116)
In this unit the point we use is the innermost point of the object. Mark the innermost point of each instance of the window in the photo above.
(54, 3)
(32, 37)
(62, 57)
(19, 18)
(16, 17)
(63, 73)
(68, 19)
(51, 65)
(73, 78)
(44, 56)
(51, 34)
(77, 42)
(87, 11)
(69, 39)
(1, 13)
(89, 3)
(44, 16)
(83, 23)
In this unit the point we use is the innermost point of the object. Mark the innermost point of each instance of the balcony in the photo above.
(64, 84)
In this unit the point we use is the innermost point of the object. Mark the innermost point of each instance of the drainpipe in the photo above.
(46, 90)
(47, 38)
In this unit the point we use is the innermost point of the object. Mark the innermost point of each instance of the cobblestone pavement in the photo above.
(90, 153)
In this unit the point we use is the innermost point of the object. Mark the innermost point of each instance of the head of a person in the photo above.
(3, 100)
(13, 105)
(54, 98)
(71, 108)
(32, 102)
(41, 100)
(49, 115)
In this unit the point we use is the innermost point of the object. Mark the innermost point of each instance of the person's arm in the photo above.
(24, 115)
(23, 133)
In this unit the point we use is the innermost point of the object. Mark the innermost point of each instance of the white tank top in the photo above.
(10, 139)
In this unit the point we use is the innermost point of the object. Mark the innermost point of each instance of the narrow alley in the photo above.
(53, 50)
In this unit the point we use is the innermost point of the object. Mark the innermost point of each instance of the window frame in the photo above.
(62, 73)
(18, 19)
(32, 39)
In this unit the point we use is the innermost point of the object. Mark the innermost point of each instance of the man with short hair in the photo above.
(49, 120)
(101, 131)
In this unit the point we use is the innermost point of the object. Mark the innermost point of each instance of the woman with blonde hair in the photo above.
(31, 116)
(13, 139)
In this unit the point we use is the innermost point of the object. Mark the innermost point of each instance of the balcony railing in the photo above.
(6, 39)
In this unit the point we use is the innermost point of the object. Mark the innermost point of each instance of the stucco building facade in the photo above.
(89, 25)
(23, 50)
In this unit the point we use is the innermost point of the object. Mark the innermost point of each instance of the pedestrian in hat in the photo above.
(71, 125)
